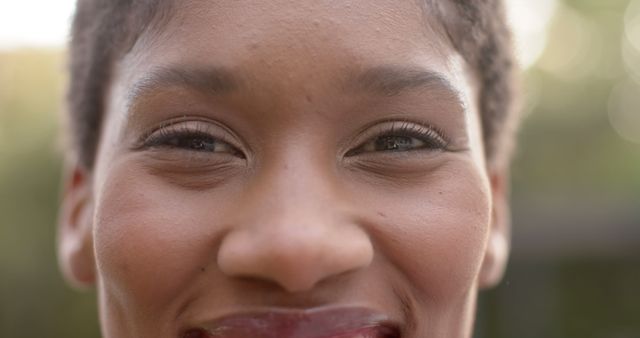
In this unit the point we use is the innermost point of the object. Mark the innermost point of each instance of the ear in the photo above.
(497, 251)
(75, 241)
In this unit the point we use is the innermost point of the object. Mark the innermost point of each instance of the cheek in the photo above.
(435, 233)
(151, 239)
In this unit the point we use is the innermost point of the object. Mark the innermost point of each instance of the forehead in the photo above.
(272, 33)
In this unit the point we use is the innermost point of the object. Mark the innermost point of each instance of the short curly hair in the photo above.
(104, 30)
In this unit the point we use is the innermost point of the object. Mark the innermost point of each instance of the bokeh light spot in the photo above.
(624, 110)
(530, 22)
(632, 23)
(575, 49)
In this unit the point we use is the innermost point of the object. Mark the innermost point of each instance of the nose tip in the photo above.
(297, 258)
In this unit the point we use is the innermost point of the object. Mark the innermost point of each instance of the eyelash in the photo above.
(178, 137)
(182, 136)
(431, 137)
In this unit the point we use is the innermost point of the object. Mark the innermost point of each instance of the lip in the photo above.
(311, 323)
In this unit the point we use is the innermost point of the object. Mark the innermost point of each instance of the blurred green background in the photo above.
(575, 265)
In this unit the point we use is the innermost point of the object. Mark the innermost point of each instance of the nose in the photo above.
(294, 232)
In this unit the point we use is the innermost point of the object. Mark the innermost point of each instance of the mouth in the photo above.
(313, 323)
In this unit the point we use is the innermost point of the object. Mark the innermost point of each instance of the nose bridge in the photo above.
(297, 179)
(294, 230)
(292, 181)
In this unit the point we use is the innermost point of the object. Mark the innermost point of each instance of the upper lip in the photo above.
(342, 322)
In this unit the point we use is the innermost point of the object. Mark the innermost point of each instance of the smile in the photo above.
(314, 323)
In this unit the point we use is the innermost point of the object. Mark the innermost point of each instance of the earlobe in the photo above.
(75, 242)
(497, 251)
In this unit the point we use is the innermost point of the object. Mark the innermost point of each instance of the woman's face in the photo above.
(317, 169)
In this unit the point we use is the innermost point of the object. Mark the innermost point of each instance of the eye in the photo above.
(192, 141)
(193, 136)
(401, 137)
(393, 143)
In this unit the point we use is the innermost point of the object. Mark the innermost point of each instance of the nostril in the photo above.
(195, 333)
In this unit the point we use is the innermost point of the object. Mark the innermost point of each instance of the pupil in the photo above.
(390, 143)
(201, 144)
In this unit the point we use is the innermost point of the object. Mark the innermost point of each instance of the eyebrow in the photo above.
(394, 80)
(387, 80)
(208, 80)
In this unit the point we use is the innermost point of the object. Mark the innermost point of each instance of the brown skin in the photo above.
(298, 207)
